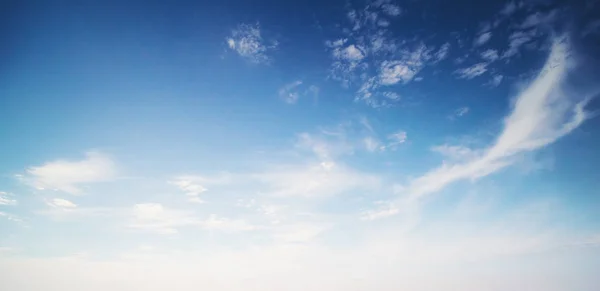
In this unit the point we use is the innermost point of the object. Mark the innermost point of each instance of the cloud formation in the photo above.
(7, 199)
(247, 41)
(542, 113)
(69, 176)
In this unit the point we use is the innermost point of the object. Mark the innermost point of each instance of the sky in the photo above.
(280, 145)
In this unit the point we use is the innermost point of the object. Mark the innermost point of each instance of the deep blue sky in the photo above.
(425, 134)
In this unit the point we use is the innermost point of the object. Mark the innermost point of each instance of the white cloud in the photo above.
(67, 176)
(482, 38)
(346, 60)
(460, 112)
(472, 71)
(496, 80)
(516, 40)
(490, 55)
(542, 113)
(395, 139)
(405, 69)
(350, 53)
(61, 203)
(442, 53)
(6, 199)
(393, 72)
(391, 9)
(248, 42)
(193, 186)
(289, 92)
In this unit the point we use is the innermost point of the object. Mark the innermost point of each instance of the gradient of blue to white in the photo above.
(276, 145)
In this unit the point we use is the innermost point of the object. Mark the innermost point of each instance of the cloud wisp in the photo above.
(247, 41)
(542, 113)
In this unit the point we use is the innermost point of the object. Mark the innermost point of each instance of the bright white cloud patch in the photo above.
(69, 176)
(247, 41)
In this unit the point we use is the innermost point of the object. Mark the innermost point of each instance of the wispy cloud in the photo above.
(61, 203)
(68, 176)
(472, 71)
(247, 41)
(516, 40)
(7, 199)
(289, 92)
(459, 112)
(490, 55)
(193, 186)
(396, 139)
(542, 113)
(442, 53)
(482, 39)
(495, 81)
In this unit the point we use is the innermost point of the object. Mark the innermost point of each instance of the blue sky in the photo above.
(416, 145)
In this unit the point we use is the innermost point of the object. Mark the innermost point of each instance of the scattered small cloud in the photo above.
(395, 139)
(247, 41)
(461, 111)
(7, 199)
(193, 186)
(495, 81)
(482, 39)
(289, 92)
(490, 55)
(442, 53)
(539, 18)
(516, 40)
(472, 71)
